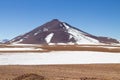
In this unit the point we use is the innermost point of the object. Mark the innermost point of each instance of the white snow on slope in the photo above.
(45, 29)
(12, 49)
(80, 36)
(26, 36)
(49, 37)
(18, 41)
(67, 27)
(37, 32)
(59, 57)
(19, 49)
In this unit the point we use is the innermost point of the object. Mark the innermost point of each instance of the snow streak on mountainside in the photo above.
(79, 36)
(56, 32)
(49, 37)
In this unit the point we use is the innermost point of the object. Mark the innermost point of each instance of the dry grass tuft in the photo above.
(29, 77)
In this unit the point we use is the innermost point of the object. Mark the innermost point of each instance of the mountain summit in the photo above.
(56, 31)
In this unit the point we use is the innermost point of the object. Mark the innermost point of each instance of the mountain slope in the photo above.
(56, 31)
(3, 41)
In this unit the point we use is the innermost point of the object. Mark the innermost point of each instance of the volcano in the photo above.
(55, 32)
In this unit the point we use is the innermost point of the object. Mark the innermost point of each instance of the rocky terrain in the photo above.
(61, 72)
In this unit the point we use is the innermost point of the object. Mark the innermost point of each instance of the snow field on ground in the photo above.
(59, 57)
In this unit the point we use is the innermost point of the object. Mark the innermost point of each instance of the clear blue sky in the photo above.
(98, 17)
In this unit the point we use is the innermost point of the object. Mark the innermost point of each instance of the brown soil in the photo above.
(29, 77)
(47, 48)
(61, 72)
(82, 48)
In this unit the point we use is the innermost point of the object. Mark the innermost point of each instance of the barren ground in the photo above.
(48, 48)
(61, 72)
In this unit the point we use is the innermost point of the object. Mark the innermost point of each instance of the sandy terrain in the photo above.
(47, 48)
(61, 72)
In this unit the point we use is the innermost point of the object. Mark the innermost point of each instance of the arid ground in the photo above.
(48, 48)
(61, 72)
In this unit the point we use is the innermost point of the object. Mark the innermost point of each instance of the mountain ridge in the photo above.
(56, 31)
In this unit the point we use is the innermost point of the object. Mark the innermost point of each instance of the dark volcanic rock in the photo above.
(56, 31)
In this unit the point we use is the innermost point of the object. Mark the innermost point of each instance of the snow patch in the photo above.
(49, 37)
(52, 44)
(15, 38)
(70, 36)
(80, 36)
(12, 49)
(26, 36)
(59, 57)
(20, 49)
(108, 38)
(25, 45)
(61, 43)
(37, 32)
(67, 27)
(12, 40)
(45, 29)
(18, 41)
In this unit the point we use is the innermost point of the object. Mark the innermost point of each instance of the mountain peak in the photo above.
(51, 24)
(55, 20)
(56, 31)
